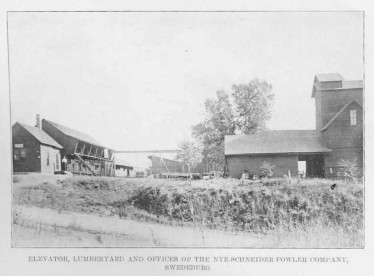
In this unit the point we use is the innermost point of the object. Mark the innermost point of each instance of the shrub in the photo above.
(348, 169)
(267, 169)
(255, 207)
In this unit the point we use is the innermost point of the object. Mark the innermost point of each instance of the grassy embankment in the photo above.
(308, 213)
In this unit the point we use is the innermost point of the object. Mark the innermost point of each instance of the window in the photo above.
(47, 158)
(353, 117)
(19, 154)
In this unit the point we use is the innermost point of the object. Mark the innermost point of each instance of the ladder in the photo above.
(83, 163)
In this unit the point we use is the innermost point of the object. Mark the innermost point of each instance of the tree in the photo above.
(190, 153)
(218, 122)
(246, 113)
(253, 103)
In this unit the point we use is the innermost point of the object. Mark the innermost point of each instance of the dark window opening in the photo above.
(19, 154)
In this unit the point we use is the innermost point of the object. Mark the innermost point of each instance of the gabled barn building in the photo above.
(338, 136)
(34, 150)
(51, 147)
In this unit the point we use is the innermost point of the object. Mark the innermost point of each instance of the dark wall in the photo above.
(345, 140)
(32, 146)
(318, 111)
(237, 164)
(328, 103)
(67, 142)
(171, 165)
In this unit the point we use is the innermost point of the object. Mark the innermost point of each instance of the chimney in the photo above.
(38, 122)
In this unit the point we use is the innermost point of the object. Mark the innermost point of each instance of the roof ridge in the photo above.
(42, 140)
(337, 115)
(77, 134)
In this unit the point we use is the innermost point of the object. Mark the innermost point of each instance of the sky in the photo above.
(138, 81)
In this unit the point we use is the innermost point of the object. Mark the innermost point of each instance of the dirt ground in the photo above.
(49, 211)
(45, 227)
(35, 226)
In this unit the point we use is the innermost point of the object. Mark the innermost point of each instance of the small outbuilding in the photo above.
(34, 150)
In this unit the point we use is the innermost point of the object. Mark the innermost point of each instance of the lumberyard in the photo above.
(49, 147)
(274, 189)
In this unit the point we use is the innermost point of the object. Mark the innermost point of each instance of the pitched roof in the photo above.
(75, 133)
(41, 136)
(276, 141)
(338, 114)
(353, 84)
(329, 77)
(165, 159)
(321, 78)
(122, 162)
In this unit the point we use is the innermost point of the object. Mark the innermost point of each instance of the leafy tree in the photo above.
(253, 103)
(246, 113)
(219, 121)
(190, 153)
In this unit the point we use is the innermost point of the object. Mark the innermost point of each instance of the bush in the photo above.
(348, 169)
(267, 169)
(227, 204)
(256, 207)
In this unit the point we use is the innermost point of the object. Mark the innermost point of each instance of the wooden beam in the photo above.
(82, 150)
(90, 150)
(93, 157)
(76, 145)
(146, 151)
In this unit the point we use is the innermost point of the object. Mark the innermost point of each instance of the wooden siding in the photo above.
(238, 164)
(161, 165)
(50, 159)
(345, 140)
(332, 101)
(93, 156)
(32, 146)
(174, 166)
(318, 111)
(67, 142)
(91, 167)
(331, 84)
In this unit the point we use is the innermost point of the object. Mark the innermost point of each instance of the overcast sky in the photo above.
(139, 80)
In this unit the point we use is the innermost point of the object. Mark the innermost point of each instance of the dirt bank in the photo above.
(35, 226)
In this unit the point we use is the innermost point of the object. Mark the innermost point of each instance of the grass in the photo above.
(305, 213)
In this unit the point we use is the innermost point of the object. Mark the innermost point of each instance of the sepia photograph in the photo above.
(187, 129)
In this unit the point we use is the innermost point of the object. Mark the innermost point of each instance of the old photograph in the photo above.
(187, 129)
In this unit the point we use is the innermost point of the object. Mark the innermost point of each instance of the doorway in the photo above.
(301, 168)
(314, 165)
